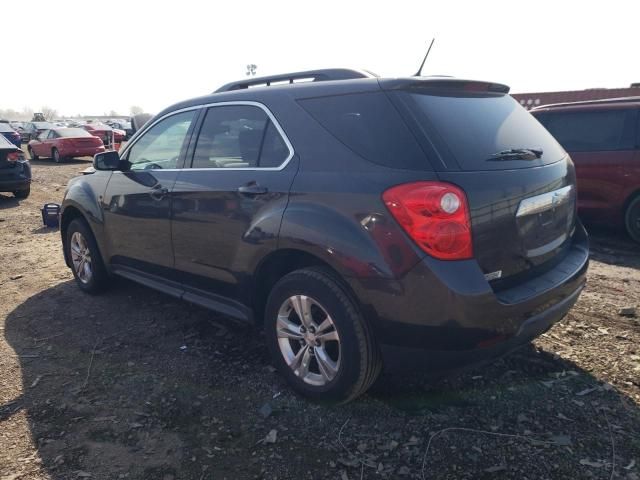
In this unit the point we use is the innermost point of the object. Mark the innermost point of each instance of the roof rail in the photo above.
(634, 99)
(295, 77)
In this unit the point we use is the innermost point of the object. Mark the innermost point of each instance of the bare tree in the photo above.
(136, 110)
(49, 113)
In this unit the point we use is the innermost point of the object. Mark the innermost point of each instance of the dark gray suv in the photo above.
(416, 222)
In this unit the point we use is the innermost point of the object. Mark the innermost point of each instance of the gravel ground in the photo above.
(133, 384)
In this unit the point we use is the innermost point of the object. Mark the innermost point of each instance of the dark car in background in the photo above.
(8, 132)
(15, 171)
(32, 129)
(64, 143)
(124, 126)
(108, 135)
(603, 138)
(421, 223)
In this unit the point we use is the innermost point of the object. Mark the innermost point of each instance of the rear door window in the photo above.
(239, 136)
(369, 125)
(472, 128)
(592, 131)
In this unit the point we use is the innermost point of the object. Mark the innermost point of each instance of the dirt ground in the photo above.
(132, 384)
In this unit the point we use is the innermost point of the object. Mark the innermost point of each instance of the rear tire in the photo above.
(331, 356)
(632, 219)
(55, 154)
(32, 155)
(83, 253)
(22, 194)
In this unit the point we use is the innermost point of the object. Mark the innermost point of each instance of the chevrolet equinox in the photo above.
(412, 223)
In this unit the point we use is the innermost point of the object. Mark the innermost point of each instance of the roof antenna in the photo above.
(425, 58)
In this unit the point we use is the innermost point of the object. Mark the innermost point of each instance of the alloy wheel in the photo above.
(81, 257)
(308, 340)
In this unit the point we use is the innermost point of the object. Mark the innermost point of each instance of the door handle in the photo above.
(158, 192)
(252, 189)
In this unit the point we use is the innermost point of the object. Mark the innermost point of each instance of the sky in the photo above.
(90, 57)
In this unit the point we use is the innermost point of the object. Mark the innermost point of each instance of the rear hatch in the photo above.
(519, 182)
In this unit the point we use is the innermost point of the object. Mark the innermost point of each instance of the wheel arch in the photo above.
(68, 215)
(280, 263)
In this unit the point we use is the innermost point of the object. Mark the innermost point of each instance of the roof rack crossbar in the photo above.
(309, 75)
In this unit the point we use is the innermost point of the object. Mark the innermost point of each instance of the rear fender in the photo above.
(370, 245)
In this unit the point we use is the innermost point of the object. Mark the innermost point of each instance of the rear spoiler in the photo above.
(442, 84)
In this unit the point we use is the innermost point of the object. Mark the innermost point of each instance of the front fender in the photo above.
(84, 196)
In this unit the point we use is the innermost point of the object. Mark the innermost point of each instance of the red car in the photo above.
(61, 143)
(105, 133)
(603, 139)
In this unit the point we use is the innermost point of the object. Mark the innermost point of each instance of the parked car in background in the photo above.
(33, 129)
(603, 138)
(124, 126)
(17, 126)
(62, 143)
(335, 216)
(102, 131)
(7, 131)
(15, 171)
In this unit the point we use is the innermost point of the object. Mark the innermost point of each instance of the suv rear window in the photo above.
(592, 131)
(369, 125)
(471, 128)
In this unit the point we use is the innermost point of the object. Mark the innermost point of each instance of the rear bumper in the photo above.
(16, 178)
(81, 151)
(445, 315)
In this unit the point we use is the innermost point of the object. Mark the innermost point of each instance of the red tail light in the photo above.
(435, 215)
(15, 156)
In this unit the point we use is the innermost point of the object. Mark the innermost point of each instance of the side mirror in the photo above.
(106, 161)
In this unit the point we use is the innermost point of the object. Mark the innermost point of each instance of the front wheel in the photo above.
(632, 219)
(32, 155)
(318, 339)
(86, 263)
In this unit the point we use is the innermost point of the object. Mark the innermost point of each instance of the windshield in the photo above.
(73, 132)
(474, 129)
(5, 127)
(42, 125)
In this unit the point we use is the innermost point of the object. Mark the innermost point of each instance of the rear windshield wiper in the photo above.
(516, 154)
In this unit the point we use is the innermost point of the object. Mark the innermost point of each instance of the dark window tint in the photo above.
(274, 150)
(592, 131)
(238, 136)
(473, 128)
(369, 125)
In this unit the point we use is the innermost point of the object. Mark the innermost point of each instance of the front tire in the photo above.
(32, 155)
(318, 339)
(632, 219)
(86, 262)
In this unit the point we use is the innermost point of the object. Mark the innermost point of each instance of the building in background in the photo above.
(530, 100)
